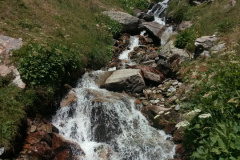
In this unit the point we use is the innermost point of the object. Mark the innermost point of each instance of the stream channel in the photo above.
(108, 123)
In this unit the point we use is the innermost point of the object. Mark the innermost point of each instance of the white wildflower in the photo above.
(207, 115)
(161, 112)
(182, 124)
(156, 116)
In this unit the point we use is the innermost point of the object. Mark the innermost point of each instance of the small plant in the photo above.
(45, 64)
(225, 25)
(114, 27)
(186, 39)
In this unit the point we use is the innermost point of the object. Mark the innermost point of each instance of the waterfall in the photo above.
(159, 8)
(107, 123)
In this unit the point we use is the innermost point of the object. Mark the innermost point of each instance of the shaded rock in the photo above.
(63, 155)
(169, 49)
(39, 136)
(128, 22)
(170, 127)
(128, 80)
(151, 74)
(40, 149)
(59, 145)
(178, 135)
(155, 28)
(204, 43)
(179, 149)
(145, 16)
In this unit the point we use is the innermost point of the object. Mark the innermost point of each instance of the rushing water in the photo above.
(103, 122)
(109, 125)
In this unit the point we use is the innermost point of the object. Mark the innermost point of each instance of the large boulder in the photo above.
(169, 49)
(8, 44)
(128, 80)
(145, 16)
(128, 22)
(151, 74)
(204, 43)
(155, 28)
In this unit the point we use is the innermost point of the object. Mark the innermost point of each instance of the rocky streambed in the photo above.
(128, 110)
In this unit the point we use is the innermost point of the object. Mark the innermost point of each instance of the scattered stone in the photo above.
(145, 16)
(128, 22)
(155, 28)
(177, 107)
(128, 80)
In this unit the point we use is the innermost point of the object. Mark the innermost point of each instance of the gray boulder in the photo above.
(206, 41)
(145, 16)
(169, 49)
(128, 22)
(128, 80)
(155, 28)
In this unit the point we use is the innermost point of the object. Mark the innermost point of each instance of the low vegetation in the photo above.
(213, 132)
(61, 39)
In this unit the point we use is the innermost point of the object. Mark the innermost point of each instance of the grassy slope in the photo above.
(75, 23)
(216, 82)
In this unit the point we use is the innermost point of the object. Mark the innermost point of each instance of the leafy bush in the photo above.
(44, 64)
(218, 94)
(186, 39)
(114, 27)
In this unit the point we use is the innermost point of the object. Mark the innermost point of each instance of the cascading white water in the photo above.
(158, 10)
(107, 123)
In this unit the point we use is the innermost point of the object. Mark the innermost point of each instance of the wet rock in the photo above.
(154, 28)
(128, 22)
(66, 147)
(128, 80)
(145, 16)
(63, 155)
(70, 99)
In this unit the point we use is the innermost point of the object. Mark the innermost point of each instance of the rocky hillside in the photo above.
(188, 86)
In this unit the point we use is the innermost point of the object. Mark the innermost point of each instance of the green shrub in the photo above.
(44, 64)
(218, 94)
(114, 27)
(225, 26)
(186, 39)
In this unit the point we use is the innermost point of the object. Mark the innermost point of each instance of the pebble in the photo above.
(175, 83)
(159, 91)
(177, 107)
(171, 89)
(162, 99)
(154, 101)
(154, 91)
